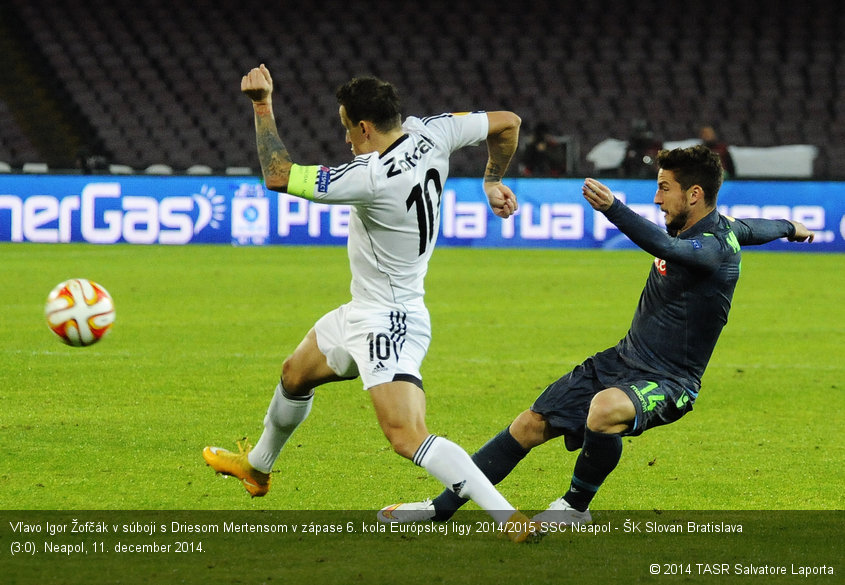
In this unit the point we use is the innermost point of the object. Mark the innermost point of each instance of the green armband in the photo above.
(302, 180)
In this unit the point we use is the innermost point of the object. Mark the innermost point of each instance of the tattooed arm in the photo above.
(272, 152)
(502, 141)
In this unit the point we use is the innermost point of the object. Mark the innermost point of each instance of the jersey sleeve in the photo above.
(460, 129)
(756, 231)
(703, 252)
(350, 183)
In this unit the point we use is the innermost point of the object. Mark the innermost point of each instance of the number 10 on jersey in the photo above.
(423, 200)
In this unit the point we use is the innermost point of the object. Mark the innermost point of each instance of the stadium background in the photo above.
(105, 82)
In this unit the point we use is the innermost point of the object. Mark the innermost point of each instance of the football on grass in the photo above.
(79, 311)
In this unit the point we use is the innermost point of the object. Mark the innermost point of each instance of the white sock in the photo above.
(284, 415)
(450, 464)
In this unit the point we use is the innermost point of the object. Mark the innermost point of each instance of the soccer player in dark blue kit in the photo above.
(653, 375)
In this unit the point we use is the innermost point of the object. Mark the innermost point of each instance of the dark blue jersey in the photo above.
(687, 296)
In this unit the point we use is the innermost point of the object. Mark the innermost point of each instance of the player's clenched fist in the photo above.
(258, 84)
(502, 200)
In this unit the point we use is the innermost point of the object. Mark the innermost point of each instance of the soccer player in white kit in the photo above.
(393, 185)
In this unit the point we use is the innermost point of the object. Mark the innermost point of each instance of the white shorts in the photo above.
(379, 344)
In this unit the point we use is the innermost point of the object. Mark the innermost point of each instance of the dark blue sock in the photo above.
(496, 459)
(598, 457)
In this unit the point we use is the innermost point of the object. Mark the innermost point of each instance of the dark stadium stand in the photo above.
(158, 81)
(13, 142)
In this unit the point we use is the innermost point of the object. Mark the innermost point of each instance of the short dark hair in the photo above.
(371, 99)
(696, 165)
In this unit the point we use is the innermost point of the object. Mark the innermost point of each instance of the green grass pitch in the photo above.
(201, 332)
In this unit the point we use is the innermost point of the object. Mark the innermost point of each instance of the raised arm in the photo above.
(272, 152)
(644, 233)
(502, 142)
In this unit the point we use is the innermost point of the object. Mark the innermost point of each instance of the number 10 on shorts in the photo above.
(379, 345)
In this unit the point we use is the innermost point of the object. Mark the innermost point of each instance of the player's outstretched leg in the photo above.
(496, 459)
(450, 464)
(400, 408)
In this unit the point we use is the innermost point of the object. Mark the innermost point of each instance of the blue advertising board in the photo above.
(239, 210)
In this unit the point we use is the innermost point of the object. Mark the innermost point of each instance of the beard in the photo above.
(677, 223)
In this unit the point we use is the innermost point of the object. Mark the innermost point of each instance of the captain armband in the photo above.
(307, 181)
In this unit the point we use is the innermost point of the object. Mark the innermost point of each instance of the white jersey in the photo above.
(395, 200)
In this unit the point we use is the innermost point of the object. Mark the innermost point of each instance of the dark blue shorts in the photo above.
(658, 400)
